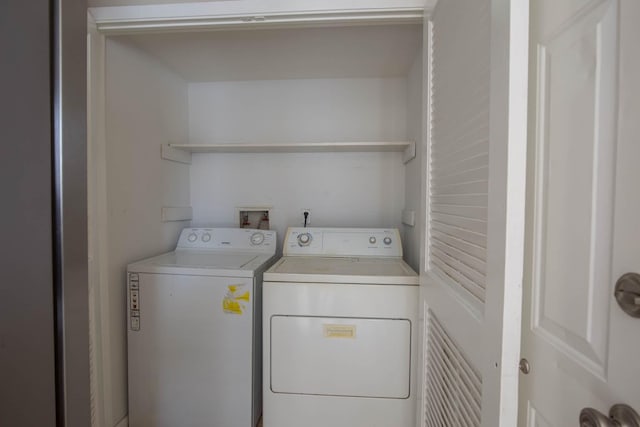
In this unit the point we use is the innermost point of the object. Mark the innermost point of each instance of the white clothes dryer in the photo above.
(340, 331)
(194, 330)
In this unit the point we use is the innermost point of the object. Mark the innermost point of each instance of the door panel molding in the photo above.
(535, 419)
(574, 185)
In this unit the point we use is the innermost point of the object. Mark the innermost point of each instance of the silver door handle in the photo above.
(590, 417)
(620, 415)
(627, 293)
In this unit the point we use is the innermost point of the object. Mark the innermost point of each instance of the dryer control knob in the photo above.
(304, 239)
(257, 238)
(387, 240)
(192, 237)
(206, 237)
(372, 240)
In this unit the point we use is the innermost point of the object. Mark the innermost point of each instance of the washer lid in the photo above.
(223, 263)
(204, 259)
(383, 271)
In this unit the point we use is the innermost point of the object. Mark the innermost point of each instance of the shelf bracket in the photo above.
(409, 153)
(176, 213)
(175, 155)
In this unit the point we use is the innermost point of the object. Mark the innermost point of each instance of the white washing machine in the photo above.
(194, 330)
(340, 331)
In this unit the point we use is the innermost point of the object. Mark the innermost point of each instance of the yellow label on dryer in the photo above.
(339, 331)
(233, 302)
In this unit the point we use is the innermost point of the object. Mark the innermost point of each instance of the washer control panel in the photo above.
(228, 238)
(133, 283)
(304, 239)
(343, 242)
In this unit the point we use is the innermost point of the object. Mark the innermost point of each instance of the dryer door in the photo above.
(341, 356)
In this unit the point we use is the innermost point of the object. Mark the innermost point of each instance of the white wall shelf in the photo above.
(408, 148)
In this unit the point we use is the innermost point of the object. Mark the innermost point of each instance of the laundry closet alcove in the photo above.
(199, 108)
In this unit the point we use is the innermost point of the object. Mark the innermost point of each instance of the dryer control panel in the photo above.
(242, 239)
(342, 242)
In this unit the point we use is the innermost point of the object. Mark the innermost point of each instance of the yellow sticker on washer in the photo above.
(339, 331)
(233, 300)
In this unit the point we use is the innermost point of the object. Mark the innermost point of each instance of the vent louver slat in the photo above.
(459, 149)
(469, 236)
(463, 247)
(471, 153)
(453, 388)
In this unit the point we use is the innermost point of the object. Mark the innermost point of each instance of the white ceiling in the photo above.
(335, 52)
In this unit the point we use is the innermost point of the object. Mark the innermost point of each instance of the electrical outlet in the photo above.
(302, 211)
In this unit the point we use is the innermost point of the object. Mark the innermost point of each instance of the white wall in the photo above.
(342, 189)
(146, 106)
(305, 110)
(413, 174)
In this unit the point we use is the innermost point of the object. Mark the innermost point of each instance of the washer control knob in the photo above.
(387, 240)
(257, 238)
(192, 237)
(304, 239)
(372, 240)
(206, 237)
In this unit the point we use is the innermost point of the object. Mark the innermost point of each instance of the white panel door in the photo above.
(583, 214)
(472, 277)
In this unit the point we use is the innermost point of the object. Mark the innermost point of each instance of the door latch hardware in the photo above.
(624, 415)
(620, 415)
(627, 293)
(590, 417)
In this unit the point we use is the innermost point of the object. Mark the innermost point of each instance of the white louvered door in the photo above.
(472, 276)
